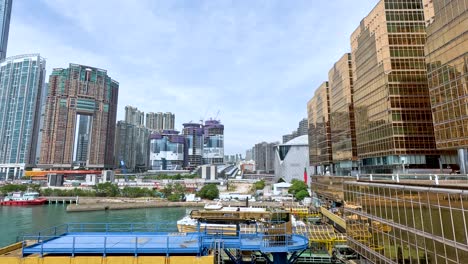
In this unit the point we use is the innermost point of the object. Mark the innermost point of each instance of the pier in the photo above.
(62, 200)
(146, 240)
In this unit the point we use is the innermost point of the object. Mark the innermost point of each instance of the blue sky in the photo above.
(257, 62)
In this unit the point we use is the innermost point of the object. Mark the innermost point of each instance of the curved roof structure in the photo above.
(300, 140)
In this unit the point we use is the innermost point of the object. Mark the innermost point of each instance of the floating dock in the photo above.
(106, 243)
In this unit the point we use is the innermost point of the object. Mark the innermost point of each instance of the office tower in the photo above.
(131, 146)
(169, 121)
(394, 129)
(287, 137)
(447, 63)
(134, 116)
(213, 145)
(5, 14)
(167, 150)
(193, 133)
(79, 123)
(342, 126)
(318, 109)
(21, 87)
(265, 157)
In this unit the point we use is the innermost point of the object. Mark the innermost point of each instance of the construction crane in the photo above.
(216, 117)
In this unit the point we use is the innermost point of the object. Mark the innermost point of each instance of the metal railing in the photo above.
(432, 179)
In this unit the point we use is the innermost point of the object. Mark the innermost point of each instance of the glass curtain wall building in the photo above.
(167, 150)
(5, 14)
(394, 128)
(21, 87)
(447, 72)
(193, 133)
(319, 131)
(213, 147)
(342, 125)
(80, 116)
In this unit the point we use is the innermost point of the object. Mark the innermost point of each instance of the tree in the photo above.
(296, 187)
(107, 189)
(167, 190)
(209, 191)
(301, 195)
(259, 185)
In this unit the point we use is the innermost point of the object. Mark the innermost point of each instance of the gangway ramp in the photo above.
(337, 220)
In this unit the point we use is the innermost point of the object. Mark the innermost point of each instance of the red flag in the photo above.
(305, 175)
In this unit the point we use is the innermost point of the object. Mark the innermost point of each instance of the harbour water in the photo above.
(17, 220)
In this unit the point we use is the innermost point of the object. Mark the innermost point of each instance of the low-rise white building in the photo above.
(292, 159)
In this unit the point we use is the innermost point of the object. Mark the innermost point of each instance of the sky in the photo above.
(251, 64)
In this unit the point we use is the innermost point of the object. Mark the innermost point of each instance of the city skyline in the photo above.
(227, 43)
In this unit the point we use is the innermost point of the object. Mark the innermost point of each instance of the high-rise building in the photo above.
(134, 116)
(318, 108)
(394, 128)
(303, 127)
(21, 88)
(301, 130)
(168, 121)
(167, 151)
(154, 121)
(5, 14)
(193, 133)
(79, 124)
(447, 63)
(160, 121)
(265, 157)
(131, 146)
(288, 137)
(248, 155)
(342, 125)
(213, 146)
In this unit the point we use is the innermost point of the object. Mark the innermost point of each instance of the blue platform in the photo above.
(74, 239)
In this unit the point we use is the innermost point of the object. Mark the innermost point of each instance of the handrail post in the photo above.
(167, 246)
(73, 247)
(136, 246)
(105, 245)
(42, 248)
(38, 237)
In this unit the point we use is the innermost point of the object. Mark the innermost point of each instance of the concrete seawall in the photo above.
(109, 204)
(121, 206)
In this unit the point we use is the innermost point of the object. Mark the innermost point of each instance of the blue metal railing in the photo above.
(100, 238)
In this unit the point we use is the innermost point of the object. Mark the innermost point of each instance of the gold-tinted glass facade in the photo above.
(329, 188)
(319, 127)
(447, 65)
(391, 223)
(312, 120)
(342, 125)
(391, 98)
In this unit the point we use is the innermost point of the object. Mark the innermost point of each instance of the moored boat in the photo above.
(23, 198)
